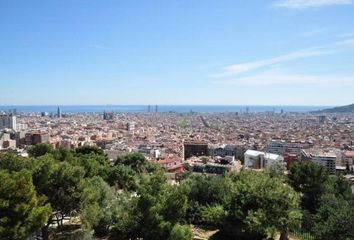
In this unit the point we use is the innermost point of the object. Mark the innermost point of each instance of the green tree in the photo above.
(61, 184)
(259, 204)
(180, 232)
(125, 217)
(21, 213)
(13, 162)
(174, 205)
(96, 203)
(334, 219)
(85, 150)
(136, 161)
(159, 207)
(213, 215)
(342, 187)
(121, 176)
(311, 180)
(91, 166)
(62, 154)
(204, 191)
(275, 170)
(149, 206)
(40, 150)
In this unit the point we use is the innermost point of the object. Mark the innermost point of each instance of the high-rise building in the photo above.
(131, 126)
(8, 121)
(156, 108)
(325, 159)
(148, 108)
(59, 112)
(108, 115)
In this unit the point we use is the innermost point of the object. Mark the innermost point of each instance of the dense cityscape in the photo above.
(174, 138)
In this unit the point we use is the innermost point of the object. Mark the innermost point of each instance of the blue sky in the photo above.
(281, 52)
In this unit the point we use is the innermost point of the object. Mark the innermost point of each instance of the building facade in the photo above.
(283, 147)
(8, 121)
(258, 160)
(195, 149)
(325, 159)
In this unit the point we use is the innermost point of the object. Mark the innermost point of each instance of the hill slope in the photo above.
(342, 109)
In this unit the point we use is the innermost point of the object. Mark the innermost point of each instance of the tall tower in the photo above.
(148, 108)
(13, 122)
(59, 112)
(156, 108)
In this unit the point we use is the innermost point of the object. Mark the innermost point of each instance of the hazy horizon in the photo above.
(161, 108)
(144, 104)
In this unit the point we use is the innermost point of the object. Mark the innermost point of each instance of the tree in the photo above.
(261, 204)
(204, 191)
(40, 150)
(157, 208)
(311, 180)
(13, 162)
(257, 206)
(91, 166)
(334, 219)
(21, 213)
(62, 154)
(150, 192)
(180, 232)
(85, 150)
(213, 215)
(136, 161)
(62, 186)
(174, 205)
(120, 176)
(275, 170)
(342, 187)
(125, 217)
(96, 202)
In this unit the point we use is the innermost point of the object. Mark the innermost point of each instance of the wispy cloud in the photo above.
(249, 67)
(305, 4)
(241, 68)
(276, 78)
(268, 72)
(347, 42)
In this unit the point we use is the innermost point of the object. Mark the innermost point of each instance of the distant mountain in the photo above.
(342, 109)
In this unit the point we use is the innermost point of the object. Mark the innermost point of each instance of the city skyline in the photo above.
(281, 52)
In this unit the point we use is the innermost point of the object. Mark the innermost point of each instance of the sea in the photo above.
(159, 108)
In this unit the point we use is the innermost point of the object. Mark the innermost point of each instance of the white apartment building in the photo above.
(258, 160)
(282, 147)
(325, 159)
